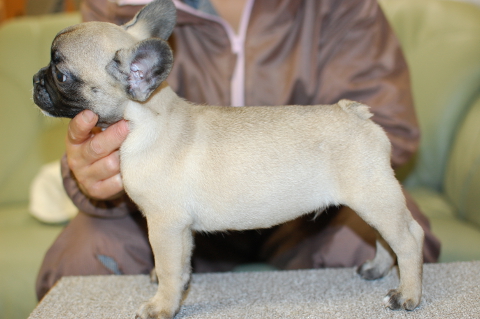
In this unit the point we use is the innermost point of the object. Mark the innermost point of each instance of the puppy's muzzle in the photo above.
(38, 78)
(40, 93)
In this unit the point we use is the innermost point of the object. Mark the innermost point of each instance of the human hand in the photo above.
(93, 155)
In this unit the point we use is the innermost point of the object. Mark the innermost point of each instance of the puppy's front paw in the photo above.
(151, 310)
(396, 301)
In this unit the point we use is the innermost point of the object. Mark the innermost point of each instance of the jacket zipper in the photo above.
(237, 44)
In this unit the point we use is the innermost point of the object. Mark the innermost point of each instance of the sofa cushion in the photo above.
(29, 139)
(456, 235)
(441, 42)
(432, 203)
(462, 181)
(23, 243)
(49, 201)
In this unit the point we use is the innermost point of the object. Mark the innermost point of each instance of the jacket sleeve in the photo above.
(117, 208)
(364, 62)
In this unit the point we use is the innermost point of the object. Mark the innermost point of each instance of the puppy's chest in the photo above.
(147, 162)
(140, 157)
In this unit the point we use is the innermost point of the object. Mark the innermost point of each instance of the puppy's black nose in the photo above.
(38, 78)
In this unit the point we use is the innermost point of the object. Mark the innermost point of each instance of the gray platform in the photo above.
(450, 291)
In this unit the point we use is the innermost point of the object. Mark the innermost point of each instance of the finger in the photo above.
(80, 127)
(100, 170)
(107, 189)
(106, 142)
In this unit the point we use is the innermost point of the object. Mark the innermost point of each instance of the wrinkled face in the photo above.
(100, 66)
(77, 78)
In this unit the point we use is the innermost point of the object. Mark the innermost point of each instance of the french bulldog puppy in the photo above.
(209, 168)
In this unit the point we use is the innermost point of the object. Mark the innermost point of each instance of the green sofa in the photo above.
(28, 140)
(441, 40)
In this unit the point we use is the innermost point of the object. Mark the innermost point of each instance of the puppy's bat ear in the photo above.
(142, 68)
(157, 19)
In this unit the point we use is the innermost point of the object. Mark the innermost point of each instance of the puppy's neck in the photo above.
(154, 118)
(160, 102)
(162, 97)
(149, 120)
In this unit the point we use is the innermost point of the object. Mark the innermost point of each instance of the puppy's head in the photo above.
(100, 66)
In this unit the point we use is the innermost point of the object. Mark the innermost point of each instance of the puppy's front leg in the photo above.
(172, 245)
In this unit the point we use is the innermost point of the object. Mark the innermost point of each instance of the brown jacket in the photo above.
(295, 52)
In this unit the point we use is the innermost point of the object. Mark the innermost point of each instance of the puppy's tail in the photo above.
(359, 109)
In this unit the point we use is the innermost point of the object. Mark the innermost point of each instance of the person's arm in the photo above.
(91, 167)
(365, 63)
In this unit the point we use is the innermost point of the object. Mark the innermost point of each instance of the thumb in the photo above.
(80, 127)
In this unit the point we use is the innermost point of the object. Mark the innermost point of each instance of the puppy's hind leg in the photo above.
(381, 264)
(172, 245)
(410, 264)
(385, 210)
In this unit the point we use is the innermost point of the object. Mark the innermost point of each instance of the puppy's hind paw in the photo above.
(396, 301)
(369, 271)
(151, 311)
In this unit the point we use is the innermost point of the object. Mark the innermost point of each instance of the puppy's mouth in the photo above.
(51, 100)
(57, 101)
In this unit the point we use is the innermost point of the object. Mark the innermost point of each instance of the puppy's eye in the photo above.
(61, 77)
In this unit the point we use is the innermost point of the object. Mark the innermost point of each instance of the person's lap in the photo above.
(97, 246)
(336, 238)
